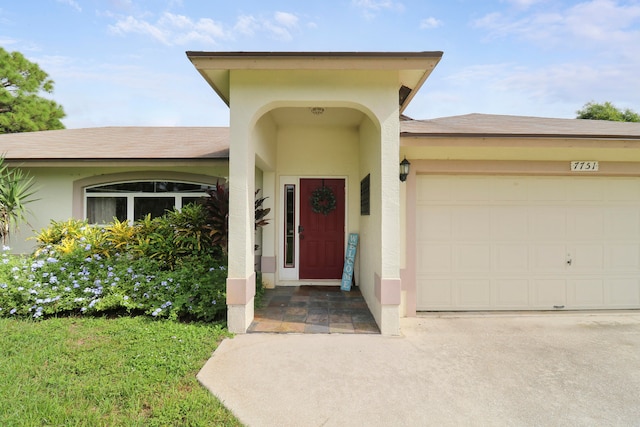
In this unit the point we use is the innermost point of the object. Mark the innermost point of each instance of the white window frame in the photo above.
(130, 196)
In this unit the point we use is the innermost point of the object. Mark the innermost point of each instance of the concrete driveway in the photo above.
(513, 369)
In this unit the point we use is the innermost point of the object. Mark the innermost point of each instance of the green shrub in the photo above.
(80, 282)
(163, 267)
(167, 238)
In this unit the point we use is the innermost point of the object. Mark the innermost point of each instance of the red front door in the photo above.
(321, 233)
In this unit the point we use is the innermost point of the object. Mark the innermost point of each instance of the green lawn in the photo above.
(129, 371)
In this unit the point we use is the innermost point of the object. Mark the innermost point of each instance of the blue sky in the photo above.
(123, 62)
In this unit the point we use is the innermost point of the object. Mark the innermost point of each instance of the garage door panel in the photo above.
(473, 294)
(435, 294)
(510, 189)
(586, 189)
(471, 223)
(586, 293)
(434, 189)
(585, 223)
(435, 223)
(549, 223)
(623, 292)
(547, 190)
(586, 258)
(623, 190)
(472, 188)
(623, 257)
(622, 223)
(549, 293)
(549, 258)
(510, 223)
(472, 258)
(501, 243)
(434, 258)
(512, 293)
(511, 258)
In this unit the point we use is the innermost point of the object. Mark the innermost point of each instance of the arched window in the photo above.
(134, 200)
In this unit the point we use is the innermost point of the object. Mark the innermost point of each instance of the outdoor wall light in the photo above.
(404, 169)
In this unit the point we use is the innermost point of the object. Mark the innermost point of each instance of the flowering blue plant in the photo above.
(52, 283)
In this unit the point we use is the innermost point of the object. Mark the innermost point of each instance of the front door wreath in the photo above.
(323, 200)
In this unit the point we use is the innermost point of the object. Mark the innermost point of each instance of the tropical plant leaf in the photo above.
(17, 189)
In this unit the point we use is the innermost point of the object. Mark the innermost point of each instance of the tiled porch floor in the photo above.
(313, 309)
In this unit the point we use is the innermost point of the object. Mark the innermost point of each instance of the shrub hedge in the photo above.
(162, 267)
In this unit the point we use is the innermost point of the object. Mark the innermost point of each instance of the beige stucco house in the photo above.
(496, 212)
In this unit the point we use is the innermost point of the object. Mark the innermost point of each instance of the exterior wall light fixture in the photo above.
(404, 169)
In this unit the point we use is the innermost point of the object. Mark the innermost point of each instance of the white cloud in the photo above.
(606, 22)
(173, 29)
(549, 87)
(573, 82)
(74, 4)
(370, 8)
(286, 19)
(430, 23)
(7, 42)
(282, 25)
(524, 4)
(478, 74)
(121, 4)
(246, 25)
(279, 27)
(133, 25)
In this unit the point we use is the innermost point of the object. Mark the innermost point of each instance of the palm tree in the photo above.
(16, 191)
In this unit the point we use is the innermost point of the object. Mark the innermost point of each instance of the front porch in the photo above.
(313, 309)
(302, 122)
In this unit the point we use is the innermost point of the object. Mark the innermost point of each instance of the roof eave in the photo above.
(413, 67)
(406, 134)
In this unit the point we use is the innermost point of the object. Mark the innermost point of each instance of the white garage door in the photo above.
(527, 243)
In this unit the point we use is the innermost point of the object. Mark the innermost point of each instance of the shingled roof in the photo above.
(118, 143)
(166, 143)
(490, 125)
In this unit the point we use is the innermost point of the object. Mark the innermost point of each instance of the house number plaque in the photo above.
(584, 166)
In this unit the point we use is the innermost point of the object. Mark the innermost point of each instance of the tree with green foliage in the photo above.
(22, 109)
(607, 111)
(16, 191)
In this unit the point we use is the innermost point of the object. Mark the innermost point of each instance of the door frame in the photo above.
(293, 273)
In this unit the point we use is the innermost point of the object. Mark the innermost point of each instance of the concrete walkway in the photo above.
(543, 369)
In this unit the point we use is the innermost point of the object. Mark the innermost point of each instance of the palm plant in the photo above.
(16, 191)
(217, 211)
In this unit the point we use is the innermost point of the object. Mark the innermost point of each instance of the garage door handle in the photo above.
(569, 260)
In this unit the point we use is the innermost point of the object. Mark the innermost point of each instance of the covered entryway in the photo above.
(299, 115)
(527, 243)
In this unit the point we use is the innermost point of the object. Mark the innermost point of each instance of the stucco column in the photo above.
(389, 282)
(241, 279)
